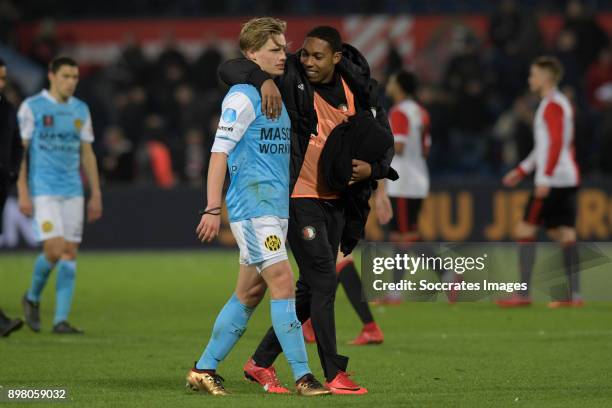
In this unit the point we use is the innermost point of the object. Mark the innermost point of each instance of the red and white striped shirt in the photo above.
(410, 126)
(552, 156)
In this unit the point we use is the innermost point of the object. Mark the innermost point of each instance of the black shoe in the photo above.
(7, 325)
(31, 312)
(65, 328)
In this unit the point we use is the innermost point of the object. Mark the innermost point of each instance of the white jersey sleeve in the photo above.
(25, 117)
(237, 114)
(87, 134)
(528, 164)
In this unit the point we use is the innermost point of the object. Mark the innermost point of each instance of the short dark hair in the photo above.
(407, 81)
(552, 65)
(328, 34)
(58, 62)
(2, 63)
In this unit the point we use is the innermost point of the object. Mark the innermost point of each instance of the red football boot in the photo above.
(388, 300)
(266, 377)
(309, 336)
(343, 385)
(370, 334)
(566, 303)
(514, 301)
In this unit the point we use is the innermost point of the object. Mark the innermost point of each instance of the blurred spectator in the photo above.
(567, 53)
(9, 15)
(517, 41)
(394, 60)
(45, 45)
(162, 89)
(132, 110)
(505, 25)
(591, 38)
(117, 163)
(132, 62)
(155, 162)
(605, 133)
(185, 111)
(204, 69)
(598, 78)
(170, 54)
(464, 79)
(524, 112)
(436, 102)
(194, 163)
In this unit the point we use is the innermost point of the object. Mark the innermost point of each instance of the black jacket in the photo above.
(298, 97)
(363, 138)
(11, 148)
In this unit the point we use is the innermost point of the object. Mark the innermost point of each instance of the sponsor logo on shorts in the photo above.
(272, 243)
(47, 226)
(309, 233)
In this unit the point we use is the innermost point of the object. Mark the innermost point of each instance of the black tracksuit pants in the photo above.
(4, 190)
(315, 228)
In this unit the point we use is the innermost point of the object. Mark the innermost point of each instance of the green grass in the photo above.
(149, 314)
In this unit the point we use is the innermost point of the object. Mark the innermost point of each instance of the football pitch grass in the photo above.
(148, 315)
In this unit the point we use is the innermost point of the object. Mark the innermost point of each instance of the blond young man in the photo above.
(256, 151)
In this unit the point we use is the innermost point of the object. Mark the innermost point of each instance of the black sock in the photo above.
(402, 248)
(570, 262)
(4, 319)
(208, 371)
(527, 252)
(354, 291)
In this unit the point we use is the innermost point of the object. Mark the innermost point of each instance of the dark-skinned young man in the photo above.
(324, 84)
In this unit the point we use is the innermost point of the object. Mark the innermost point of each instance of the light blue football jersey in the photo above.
(55, 132)
(258, 156)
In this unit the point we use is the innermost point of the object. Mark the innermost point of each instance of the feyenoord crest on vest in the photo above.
(309, 233)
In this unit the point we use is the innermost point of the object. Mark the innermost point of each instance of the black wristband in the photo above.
(211, 211)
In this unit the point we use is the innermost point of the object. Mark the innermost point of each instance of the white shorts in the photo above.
(56, 216)
(261, 240)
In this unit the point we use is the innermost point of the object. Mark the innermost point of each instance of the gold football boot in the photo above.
(308, 386)
(205, 382)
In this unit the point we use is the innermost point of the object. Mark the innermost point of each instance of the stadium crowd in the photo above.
(155, 119)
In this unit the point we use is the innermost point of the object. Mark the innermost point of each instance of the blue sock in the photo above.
(289, 333)
(230, 325)
(42, 270)
(64, 288)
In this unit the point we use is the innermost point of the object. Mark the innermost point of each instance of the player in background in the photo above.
(256, 150)
(552, 203)
(350, 280)
(410, 125)
(57, 137)
(10, 159)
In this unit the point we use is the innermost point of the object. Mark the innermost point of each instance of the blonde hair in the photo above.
(255, 32)
(552, 65)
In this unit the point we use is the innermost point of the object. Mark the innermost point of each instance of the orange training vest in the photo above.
(310, 182)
